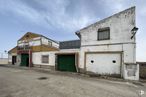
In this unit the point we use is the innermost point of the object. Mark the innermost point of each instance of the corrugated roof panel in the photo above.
(73, 44)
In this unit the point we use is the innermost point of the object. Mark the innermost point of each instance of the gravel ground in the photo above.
(15, 82)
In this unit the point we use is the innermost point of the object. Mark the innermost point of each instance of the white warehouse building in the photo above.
(107, 47)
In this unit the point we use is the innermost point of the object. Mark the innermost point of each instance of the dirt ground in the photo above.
(16, 82)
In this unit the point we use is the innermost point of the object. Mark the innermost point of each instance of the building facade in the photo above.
(31, 48)
(107, 47)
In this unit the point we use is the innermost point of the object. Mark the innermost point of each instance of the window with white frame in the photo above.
(104, 33)
(45, 58)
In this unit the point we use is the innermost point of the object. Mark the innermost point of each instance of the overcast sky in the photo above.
(59, 19)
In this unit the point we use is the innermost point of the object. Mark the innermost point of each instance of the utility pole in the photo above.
(1, 55)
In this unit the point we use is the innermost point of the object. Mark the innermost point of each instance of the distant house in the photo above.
(107, 47)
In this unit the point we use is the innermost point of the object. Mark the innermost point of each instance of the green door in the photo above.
(24, 60)
(66, 63)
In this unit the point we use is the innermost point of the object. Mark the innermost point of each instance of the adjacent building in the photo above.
(31, 48)
(107, 47)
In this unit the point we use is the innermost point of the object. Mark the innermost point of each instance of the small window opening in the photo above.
(92, 61)
(114, 61)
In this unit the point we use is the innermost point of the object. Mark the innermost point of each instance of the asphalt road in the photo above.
(16, 82)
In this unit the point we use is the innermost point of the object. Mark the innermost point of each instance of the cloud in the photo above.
(19, 9)
(53, 14)
(67, 16)
(59, 17)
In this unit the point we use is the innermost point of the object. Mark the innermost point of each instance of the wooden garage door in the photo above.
(66, 63)
(103, 63)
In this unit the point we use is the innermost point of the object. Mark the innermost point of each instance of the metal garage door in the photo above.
(66, 63)
(103, 63)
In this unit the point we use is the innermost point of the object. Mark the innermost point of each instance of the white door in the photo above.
(103, 63)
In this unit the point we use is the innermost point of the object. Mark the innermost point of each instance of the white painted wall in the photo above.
(131, 72)
(32, 42)
(54, 44)
(45, 41)
(129, 53)
(22, 41)
(120, 29)
(100, 66)
(37, 58)
(35, 43)
(18, 60)
(120, 25)
(10, 57)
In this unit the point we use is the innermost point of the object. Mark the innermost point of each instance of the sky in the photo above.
(60, 19)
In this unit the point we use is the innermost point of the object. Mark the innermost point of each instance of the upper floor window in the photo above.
(104, 33)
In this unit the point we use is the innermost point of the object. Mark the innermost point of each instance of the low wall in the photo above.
(143, 71)
(44, 66)
(3, 60)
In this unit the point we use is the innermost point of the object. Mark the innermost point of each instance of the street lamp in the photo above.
(134, 30)
(5, 52)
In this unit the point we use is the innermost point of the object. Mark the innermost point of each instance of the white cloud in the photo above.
(59, 18)
(55, 14)
(19, 9)
(114, 5)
